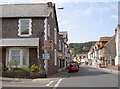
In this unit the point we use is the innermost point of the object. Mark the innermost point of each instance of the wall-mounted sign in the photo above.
(46, 56)
(48, 45)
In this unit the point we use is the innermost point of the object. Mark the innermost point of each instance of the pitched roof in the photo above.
(26, 10)
(65, 34)
(105, 38)
(113, 38)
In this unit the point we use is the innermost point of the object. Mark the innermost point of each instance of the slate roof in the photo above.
(25, 10)
(19, 42)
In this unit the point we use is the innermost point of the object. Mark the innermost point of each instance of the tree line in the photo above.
(79, 48)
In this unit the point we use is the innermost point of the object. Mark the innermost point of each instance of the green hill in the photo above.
(79, 48)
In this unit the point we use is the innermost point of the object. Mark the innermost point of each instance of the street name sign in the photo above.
(46, 56)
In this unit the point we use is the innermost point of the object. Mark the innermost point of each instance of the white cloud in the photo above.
(103, 9)
(91, 10)
(115, 17)
(6, 1)
(88, 11)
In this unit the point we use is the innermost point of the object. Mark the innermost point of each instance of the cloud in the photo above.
(88, 11)
(6, 1)
(103, 9)
(115, 17)
(92, 10)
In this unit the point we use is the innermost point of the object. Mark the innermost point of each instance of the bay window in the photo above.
(20, 55)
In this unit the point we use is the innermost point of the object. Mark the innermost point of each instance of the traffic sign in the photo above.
(48, 45)
(46, 56)
(47, 48)
(48, 42)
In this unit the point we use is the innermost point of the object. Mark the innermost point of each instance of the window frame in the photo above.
(30, 28)
(63, 47)
(9, 56)
(55, 35)
(55, 57)
(60, 45)
(48, 30)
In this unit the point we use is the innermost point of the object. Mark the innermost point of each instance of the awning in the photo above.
(19, 42)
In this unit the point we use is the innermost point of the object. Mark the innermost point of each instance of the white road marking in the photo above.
(91, 70)
(56, 85)
(49, 83)
(59, 81)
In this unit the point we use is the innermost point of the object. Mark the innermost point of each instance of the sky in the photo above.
(84, 21)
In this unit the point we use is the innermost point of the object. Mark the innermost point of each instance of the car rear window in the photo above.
(72, 65)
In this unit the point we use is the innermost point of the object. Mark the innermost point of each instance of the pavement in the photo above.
(52, 77)
(109, 69)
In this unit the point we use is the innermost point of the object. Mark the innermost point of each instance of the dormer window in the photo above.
(25, 27)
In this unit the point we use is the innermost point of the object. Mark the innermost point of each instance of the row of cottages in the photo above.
(25, 28)
(106, 51)
(81, 58)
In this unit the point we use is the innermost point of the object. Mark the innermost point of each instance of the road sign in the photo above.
(48, 45)
(47, 48)
(48, 42)
(46, 56)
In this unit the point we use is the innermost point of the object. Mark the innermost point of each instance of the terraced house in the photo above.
(106, 51)
(117, 40)
(25, 28)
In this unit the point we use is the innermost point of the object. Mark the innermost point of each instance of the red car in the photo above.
(73, 67)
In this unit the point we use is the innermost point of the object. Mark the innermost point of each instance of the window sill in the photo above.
(18, 66)
(24, 35)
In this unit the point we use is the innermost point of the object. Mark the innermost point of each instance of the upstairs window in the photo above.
(48, 31)
(55, 35)
(25, 27)
(55, 57)
(59, 44)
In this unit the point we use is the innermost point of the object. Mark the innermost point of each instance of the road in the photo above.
(90, 77)
(86, 77)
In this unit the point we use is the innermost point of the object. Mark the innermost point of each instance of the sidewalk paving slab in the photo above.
(107, 70)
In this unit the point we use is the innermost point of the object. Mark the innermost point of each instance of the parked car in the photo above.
(75, 63)
(72, 67)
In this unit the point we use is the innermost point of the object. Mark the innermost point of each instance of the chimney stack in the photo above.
(49, 4)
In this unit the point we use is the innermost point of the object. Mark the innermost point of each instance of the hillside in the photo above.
(78, 48)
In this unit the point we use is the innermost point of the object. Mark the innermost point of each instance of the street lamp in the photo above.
(61, 8)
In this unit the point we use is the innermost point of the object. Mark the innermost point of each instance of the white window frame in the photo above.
(55, 57)
(63, 48)
(60, 45)
(30, 28)
(55, 35)
(8, 56)
(48, 30)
